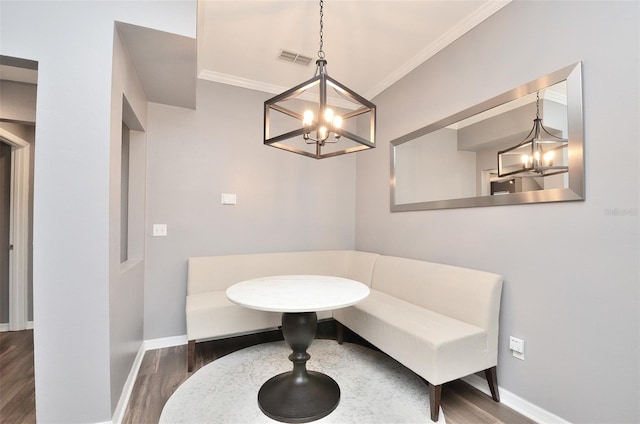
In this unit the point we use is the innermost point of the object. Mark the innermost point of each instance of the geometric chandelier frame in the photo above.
(322, 82)
(535, 155)
(306, 121)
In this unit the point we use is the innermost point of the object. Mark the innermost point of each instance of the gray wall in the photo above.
(73, 44)
(126, 279)
(574, 299)
(285, 201)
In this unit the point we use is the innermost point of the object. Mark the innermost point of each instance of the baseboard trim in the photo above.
(121, 407)
(123, 402)
(165, 342)
(5, 326)
(516, 403)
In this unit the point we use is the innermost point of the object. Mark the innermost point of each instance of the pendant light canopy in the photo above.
(307, 121)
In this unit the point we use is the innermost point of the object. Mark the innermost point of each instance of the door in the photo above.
(5, 213)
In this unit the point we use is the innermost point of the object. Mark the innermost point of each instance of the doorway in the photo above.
(18, 87)
(5, 211)
(15, 167)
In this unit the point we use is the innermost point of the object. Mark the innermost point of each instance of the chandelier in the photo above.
(305, 120)
(537, 155)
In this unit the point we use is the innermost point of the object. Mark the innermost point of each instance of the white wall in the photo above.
(574, 299)
(285, 201)
(72, 42)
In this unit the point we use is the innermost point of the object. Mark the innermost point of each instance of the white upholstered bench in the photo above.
(440, 321)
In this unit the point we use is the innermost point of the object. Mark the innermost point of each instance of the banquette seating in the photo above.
(438, 320)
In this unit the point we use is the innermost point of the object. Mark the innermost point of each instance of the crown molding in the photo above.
(239, 81)
(486, 10)
(478, 16)
(267, 88)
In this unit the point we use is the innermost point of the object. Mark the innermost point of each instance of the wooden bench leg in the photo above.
(339, 332)
(191, 355)
(492, 378)
(435, 395)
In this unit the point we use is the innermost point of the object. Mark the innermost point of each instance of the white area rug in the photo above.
(374, 388)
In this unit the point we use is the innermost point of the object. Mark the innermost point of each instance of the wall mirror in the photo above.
(523, 146)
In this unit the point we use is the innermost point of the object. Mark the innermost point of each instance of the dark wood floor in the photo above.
(163, 370)
(17, 387)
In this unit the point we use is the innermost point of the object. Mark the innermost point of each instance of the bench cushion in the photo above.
(463, 294)
(212, 315)
(434, 346)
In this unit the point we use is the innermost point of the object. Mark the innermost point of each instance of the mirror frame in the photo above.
(576, 190)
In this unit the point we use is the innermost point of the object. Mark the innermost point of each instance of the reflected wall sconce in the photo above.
(536, 154)
(313, 128)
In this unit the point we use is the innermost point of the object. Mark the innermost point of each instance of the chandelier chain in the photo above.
(321, 52)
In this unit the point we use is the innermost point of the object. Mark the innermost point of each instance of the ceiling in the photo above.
(369, 45)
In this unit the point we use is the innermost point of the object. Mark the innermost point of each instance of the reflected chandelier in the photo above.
(535, 155)
(313, 128)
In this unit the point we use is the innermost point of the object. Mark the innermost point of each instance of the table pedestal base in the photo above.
(299, 396)
(284, 399)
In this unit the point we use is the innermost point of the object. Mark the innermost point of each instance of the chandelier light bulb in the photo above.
(322, 133)
(328, 115)
(337, 122)
(307, 118)
(548, 158)
(525, 159)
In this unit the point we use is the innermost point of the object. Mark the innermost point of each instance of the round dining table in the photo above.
(299, 395)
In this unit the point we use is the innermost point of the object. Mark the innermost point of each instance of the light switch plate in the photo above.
(159, 230)
(229, 198)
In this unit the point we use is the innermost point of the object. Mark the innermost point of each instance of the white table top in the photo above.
(297, 293)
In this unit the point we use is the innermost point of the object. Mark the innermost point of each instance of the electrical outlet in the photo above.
(517, 347)
(516, 344)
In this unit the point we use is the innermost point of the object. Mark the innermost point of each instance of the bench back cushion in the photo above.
(465, 294)
(209, 273)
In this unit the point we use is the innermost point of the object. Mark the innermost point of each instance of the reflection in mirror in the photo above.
(521, 147)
